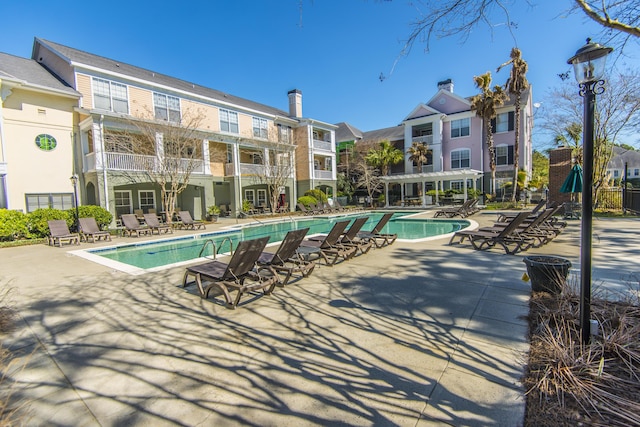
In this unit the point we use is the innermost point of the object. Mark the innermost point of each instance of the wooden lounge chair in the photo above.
(379, 239)
(350, 237)
(508, 237)
(286, 259)
(329, 247)
(238, 274)
(59, 232)
(89, 229)
(304, 210)
(187, 222)
(463, 210)
(131, 226)
(152, 222)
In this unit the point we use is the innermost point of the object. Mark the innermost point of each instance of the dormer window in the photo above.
(110, 96)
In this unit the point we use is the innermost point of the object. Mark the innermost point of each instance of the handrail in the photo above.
(215, 247)
(230, 244)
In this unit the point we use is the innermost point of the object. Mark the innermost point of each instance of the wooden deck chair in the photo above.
(304, 209)
(187, 222)
(507, 237)
(131, 225)
(286, 258)
(89, 229)
(330, 248)
(154, 224)
(59, 232)
(238, 274)
(379, 239)
(350, 237)
(462, 210)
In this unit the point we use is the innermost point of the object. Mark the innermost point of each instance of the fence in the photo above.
(619, 199)
(632, 200)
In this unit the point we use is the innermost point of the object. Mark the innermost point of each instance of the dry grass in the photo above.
(569, 384)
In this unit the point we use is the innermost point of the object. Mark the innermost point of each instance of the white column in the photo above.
(386, 194)
(206, 158)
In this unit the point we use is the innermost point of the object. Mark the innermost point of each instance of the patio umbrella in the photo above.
(573, 182)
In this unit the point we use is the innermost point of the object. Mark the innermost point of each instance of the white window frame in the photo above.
(62, 201)
(115, 94)
(250, 196)
(117, 200)
(636, 172)
(146, 205)
(262, 198)
(502, 123)
(166, 107)
(284, 134)
(260, 128)
(229, 121)
(458, 153)
(502, 151)
(616, 173)
(328, 163)
(459, 126)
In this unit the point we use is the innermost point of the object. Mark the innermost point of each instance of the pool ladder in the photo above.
(214, 247)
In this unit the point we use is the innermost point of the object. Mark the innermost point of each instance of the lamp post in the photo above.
(74, 182)
(588, 66)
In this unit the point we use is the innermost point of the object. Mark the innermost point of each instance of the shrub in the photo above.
(37, 220)
(307, 201)
(13, 225)
(246, 206)
(103, 217)
(319, 195)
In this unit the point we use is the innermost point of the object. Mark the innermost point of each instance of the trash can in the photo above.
(547, 273)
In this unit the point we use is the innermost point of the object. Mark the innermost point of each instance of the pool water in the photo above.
(149, 255)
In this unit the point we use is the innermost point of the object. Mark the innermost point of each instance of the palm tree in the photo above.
(384, 157)
(485, 105)
(516, 84)
(419, 153)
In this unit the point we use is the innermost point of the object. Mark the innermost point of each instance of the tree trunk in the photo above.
(516, 149)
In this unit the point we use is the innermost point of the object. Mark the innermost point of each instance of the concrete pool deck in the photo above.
(413, 334)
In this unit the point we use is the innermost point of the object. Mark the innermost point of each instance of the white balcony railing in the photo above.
(425, 139)
(136, 163)
(322, 174)
(322, 145)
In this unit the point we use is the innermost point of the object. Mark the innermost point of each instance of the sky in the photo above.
(334, 51)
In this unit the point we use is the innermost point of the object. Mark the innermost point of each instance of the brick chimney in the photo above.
(559, 168)
(295, 103)
(446, 85)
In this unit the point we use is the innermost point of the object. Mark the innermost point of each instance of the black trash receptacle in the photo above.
(547, 273)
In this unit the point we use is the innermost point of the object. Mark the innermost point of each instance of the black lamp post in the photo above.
(74, 181)
(588, 65)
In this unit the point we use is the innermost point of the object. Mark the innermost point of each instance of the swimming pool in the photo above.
(136, 258)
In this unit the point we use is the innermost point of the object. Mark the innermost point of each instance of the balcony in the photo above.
(322, 174)
(252, 169)
(322, 145)
(425, 139)
(135, 163)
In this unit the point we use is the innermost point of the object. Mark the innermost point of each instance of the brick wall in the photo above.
(559, 167)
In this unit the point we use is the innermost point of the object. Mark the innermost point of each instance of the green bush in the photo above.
(37, 220)
(103, 217)
(13, 225)
(307, 201)
(246, 206)
(319, 195)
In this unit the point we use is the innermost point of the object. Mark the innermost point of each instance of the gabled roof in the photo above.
(422, 110)
(394, 133)
(450, 94)
(347, 132)
(81, 59)
(29, 73)
(622, 156)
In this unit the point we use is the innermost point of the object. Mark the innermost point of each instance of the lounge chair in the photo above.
(286, 259)
(131, 226)
(238, 274)
(350, 237)
(139, 213)
(187, 222)
(89, 229)
(506, 216)
(59, 232)
(328, 246)
(463, 210)
(375, 235)
(304, 209)
(507, 237)
(154, 224)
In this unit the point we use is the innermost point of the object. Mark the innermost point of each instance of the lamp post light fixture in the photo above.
(74, 181)
(588, 66)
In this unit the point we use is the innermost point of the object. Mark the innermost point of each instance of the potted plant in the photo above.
(213, 212)
(547, 273)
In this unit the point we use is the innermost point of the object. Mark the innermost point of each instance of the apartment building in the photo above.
(36, 137)
(458, 158)
(237, 151)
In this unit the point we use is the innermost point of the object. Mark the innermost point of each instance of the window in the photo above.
(166, 107)
(60, 201)
(123, 202)
(250, 196)
(284, 134)
(460, 128)
(504, 155)
(460, 158)
(327, 163)
(262, 198)
(503, 122)
(316, 164)
(46, 142)
(110, 96)
(147, 199)
(260, 128)
(459, 185)
(636, 172)
(616, 173)
(228, 121)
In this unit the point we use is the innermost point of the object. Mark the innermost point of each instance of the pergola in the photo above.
(438, 177)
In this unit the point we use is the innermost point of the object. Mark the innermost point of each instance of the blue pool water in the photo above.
(154, 254)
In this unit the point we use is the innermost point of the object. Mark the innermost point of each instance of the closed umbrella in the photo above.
(573, 183)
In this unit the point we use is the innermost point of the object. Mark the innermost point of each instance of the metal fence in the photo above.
(632, 200)
(619, 199)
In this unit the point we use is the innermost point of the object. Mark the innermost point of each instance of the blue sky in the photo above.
(332, 50)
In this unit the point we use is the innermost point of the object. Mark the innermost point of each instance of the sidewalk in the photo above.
(409, 335)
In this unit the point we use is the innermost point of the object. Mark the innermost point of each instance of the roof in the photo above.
(622, 156)
(29, 72)
(393, 133)
(79, 58)
(347, 132)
